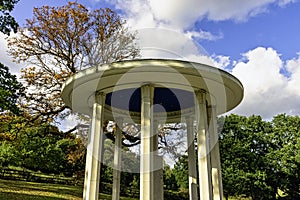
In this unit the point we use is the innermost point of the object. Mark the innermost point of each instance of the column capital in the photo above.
(99, 97)
(147, 91)
(200, 91)
(189, 118)
(99, 93)
(212, 106)
(200, 96)
(147, 84)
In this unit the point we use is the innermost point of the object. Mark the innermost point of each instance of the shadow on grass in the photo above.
(8, 185)
(21, 190)
(16, 196)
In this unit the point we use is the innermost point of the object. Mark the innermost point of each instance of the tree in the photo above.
(244, 144)
(7, 153)
(60, 41)
(40, 146)
(10, 91)
(181, 172)
(7, 22)
(170, 182)
(285, 154)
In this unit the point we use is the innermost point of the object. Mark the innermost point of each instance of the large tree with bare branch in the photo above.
(58, 42)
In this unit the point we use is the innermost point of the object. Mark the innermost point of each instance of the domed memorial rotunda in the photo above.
(127, 91)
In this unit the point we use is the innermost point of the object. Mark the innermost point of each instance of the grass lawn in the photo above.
(21, 190)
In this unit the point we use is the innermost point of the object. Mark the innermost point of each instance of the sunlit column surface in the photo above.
(117, 160)
(193, 193)
(205, 186)
(146, 188)
(94, 154)
(215, 155)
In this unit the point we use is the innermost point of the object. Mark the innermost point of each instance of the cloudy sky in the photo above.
(258, 41)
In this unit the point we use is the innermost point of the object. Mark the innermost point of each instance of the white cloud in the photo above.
(170, 44)
(204, 35)
(179, 14)
(235, 9)
(69, 122)
(138, 13)
(267, 91)
(5, 59)
(283, 3)
(220, 61)
(293, 66)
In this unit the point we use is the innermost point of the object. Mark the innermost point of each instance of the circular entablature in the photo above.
(175, 84)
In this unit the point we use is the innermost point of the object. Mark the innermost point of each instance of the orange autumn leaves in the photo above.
(58, 42)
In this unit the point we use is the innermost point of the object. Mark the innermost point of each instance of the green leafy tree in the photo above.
(170, 182)
(39, 146)
(181, 172)
(7, 22)
(245, 170)
(75, 153)
(7, 153)
(10, 91)
(285, 154)
(38, 149)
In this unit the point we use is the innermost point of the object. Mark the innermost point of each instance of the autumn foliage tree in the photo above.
(58, 42)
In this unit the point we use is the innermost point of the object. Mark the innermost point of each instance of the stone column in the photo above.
(205, 185)
(146, 177)
(94, 154)
(215, 155)
(193, 193)
(117, 160)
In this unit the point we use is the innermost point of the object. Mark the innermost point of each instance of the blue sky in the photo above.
(278, 28)
(258, 41)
